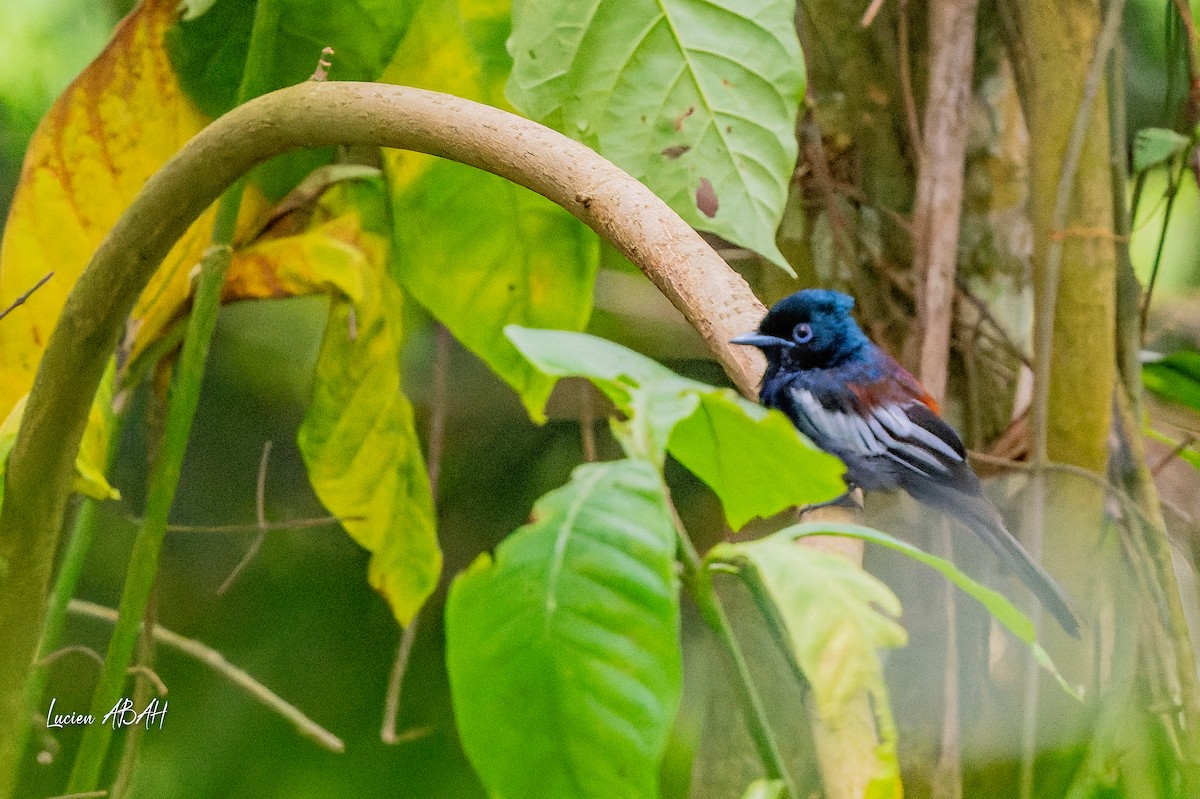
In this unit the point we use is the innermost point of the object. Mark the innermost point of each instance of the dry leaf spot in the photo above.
(706, 198)
(679, 119)
(675, 151)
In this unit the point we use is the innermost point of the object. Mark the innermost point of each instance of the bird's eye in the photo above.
(802, 333)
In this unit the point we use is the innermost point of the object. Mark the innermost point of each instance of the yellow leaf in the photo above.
(112, 128)
(328, 259)
(358, 437)
(108, 132)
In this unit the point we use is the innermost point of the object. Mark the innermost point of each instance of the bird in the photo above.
(854, 401)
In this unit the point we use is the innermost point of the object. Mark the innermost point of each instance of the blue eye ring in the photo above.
(802, 333)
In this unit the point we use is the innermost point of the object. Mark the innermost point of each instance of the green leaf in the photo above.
(357, 438)
(754, 459)
(564, 652)
(1175, 378)
(696, 100)
(476, 250)
(653, 398)
(1153, 146)
(834, 617)
(481, 253)
(208, 48)
(996, 603)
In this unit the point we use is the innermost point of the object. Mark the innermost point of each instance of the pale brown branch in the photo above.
(939, 194)
(215, 660)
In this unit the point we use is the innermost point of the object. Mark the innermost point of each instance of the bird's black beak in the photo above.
(759, 340)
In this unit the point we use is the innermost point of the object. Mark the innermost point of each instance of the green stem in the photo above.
(753, 709)
(183, 399)
(143, 563)
(1174, 181)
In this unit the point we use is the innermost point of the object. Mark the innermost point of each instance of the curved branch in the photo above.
(714, 298)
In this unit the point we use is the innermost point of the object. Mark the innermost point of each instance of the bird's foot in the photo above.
(851, 499)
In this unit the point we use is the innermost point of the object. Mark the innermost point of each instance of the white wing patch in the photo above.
(886, 433)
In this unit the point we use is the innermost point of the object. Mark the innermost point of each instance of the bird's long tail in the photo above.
(985, 520)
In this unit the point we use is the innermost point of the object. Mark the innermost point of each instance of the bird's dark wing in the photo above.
(908, 434)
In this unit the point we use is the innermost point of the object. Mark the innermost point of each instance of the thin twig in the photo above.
(151, 676)
(391, 707)
(438, 411)
(260, 514)
(80, 649)
(82, 795)
(288, 524)
(19, 301)
(1077, 471)
(814, 156)
(1174, 182)
(911, 116)
(439, 396)
(587, 423)
(214, 659)
(872, 11)
(1187, 441)
(1184, 10)
(414, 734)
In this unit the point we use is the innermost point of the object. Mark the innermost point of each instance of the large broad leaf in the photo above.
(696, 99)
(104, 136)
(753, 458)
(477, 251)
(755, 461)
(358, 439)
(835, 618)
(564, 652)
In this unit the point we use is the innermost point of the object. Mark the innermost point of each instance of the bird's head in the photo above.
(811, 329)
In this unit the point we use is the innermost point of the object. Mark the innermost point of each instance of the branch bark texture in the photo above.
(938, 206)
(714, 299)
